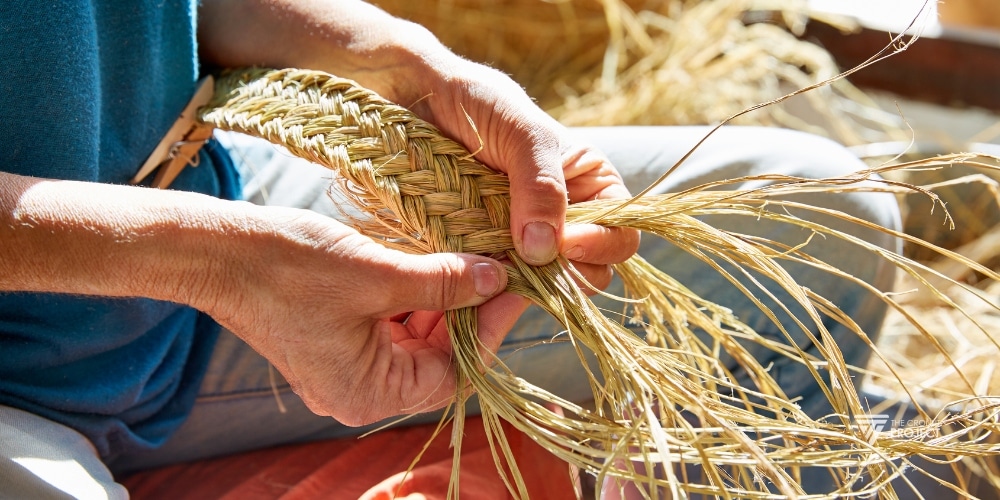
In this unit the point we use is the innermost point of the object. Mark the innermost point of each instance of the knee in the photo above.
(859, 211)
(810, 156)
(876, 216)
(864, 201)
(745, 152)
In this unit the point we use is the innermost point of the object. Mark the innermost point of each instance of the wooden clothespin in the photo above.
(180, 146)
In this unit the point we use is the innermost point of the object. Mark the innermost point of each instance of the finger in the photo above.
(595, 244)
(590, 175)
(440, 281)
(419, 376)
(538, 196)
(422, 323)
(495, 318)
(597, 275)
(430, 327)
(423, 374)
(401, 317)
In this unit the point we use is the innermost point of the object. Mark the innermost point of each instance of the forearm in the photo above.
(351, 39)
(112, 240)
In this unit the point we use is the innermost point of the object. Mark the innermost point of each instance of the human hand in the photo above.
(356, 329)
(491, 115)
(469, 102)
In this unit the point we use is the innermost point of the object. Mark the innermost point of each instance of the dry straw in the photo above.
(663, 62)
(607, 62)
(659, 405)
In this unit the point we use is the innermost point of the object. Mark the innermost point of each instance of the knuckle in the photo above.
(543, 195)
(549, 183)
(630, 241)
(450, 276)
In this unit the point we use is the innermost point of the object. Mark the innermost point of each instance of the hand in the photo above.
(545, 166)
(331, 310)
(406, 64)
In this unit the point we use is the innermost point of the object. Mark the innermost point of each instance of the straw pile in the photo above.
(664, 62)
(958, 359)
(661, 406)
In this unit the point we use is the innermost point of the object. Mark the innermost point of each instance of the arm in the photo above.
(96, 239)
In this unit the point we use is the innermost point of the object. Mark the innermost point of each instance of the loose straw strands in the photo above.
(661, 408)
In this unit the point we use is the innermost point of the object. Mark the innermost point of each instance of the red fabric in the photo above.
(370, 468)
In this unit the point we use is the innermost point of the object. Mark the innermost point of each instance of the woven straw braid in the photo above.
(437, 197)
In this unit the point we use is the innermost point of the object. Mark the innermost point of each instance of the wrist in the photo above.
(204, 252)
(400, 60)
(350, 39)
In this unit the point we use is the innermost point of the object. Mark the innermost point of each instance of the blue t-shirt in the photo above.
(87, 89)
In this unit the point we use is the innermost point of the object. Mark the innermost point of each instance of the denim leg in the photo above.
(44, 460)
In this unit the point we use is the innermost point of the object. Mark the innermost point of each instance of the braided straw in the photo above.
(666, 412)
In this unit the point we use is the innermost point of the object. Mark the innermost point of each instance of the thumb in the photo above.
(443, 281)
(537, 197)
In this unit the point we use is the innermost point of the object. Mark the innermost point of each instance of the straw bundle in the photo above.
(664, 403)
(609, 62)
(663, 62)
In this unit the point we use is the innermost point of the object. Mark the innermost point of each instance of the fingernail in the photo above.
(486, 278)
(539, 241)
